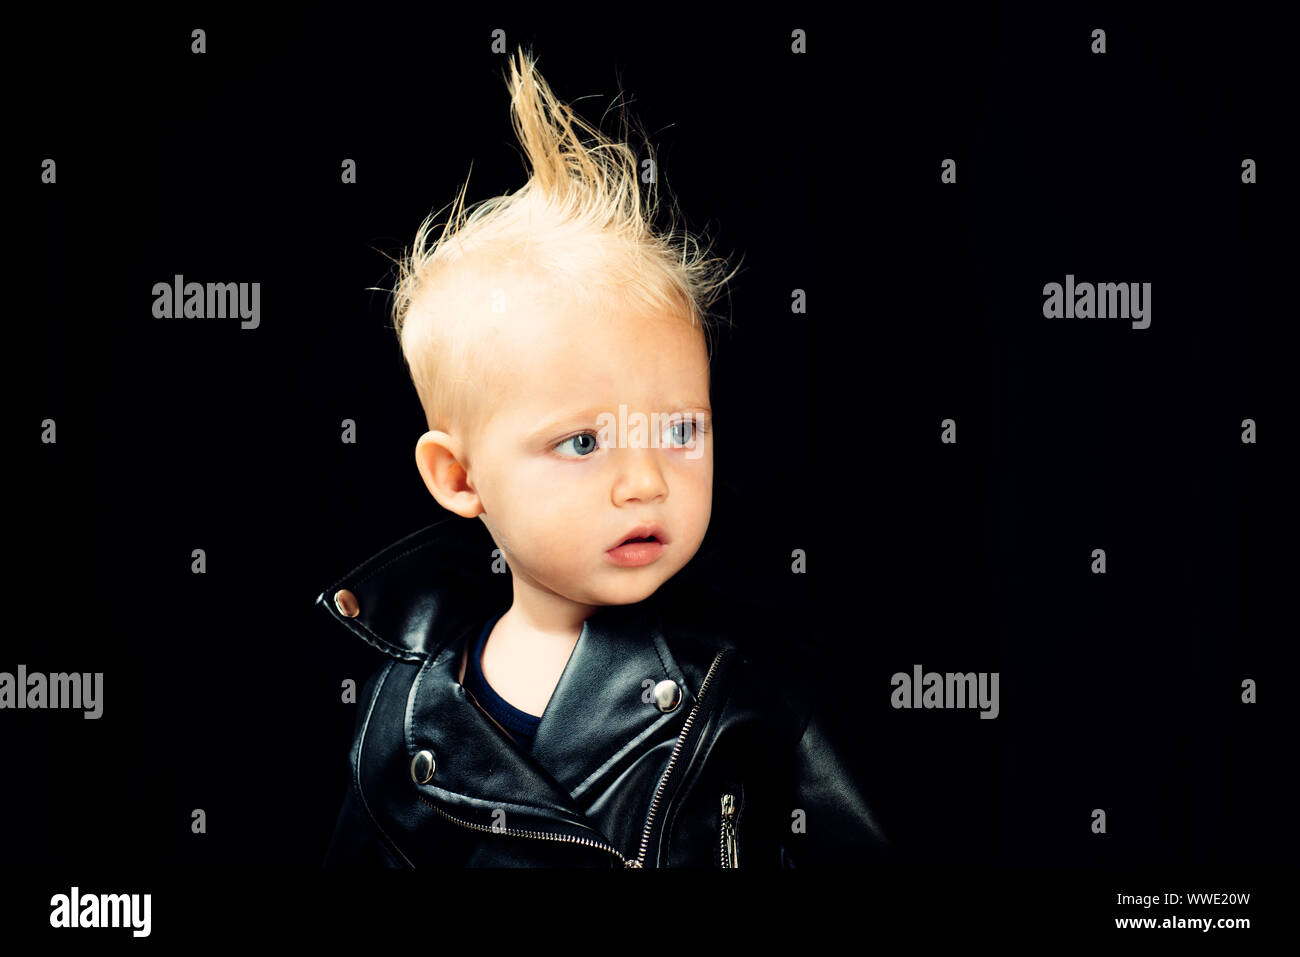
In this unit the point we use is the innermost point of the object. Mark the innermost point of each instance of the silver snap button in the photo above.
(422, 767)
(668, 695)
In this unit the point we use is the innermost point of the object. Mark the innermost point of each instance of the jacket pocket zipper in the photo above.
(730, 847)
(543, 835)
(672, 761)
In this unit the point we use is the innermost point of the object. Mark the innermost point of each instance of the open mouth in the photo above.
(643, 534)
(635, 552)
(640, 546)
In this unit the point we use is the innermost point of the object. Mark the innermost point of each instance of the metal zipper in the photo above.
(730, 850)
(672, 760)
(543, 835)
(654, 804)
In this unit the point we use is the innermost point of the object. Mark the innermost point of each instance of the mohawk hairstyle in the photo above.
(581, 223)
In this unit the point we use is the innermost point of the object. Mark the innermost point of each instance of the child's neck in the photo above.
(523, 663)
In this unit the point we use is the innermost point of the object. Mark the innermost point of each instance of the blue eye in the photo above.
(588, 444)
(685, 423)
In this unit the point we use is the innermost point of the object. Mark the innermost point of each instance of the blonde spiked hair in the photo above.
(578, 224)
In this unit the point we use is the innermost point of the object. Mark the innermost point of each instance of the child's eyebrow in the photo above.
(553, 425)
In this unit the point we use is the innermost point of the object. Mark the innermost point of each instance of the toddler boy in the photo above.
(566, 714)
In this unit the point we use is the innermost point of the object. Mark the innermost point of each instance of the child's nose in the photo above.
(640, 475)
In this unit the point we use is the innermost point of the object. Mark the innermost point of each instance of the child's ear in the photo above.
(437, 456)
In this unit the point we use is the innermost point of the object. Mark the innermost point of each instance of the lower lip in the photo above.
(635, 553)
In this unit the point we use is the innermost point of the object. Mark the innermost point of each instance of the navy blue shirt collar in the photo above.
(521, 725)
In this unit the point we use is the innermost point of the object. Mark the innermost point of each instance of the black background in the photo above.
(1119, 691)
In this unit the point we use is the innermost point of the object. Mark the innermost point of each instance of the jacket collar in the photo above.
(421, 599)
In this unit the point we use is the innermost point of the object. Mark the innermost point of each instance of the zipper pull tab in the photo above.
(730, 850)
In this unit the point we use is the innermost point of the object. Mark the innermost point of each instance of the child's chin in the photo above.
(631, 592)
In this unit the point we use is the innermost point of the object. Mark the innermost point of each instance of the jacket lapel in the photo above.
(602, 714)
(424, 598)
(478, 769)
(599, 718)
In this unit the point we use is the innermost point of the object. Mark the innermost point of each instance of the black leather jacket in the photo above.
(663, 744)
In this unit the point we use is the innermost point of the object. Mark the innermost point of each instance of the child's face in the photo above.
(555, 504)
